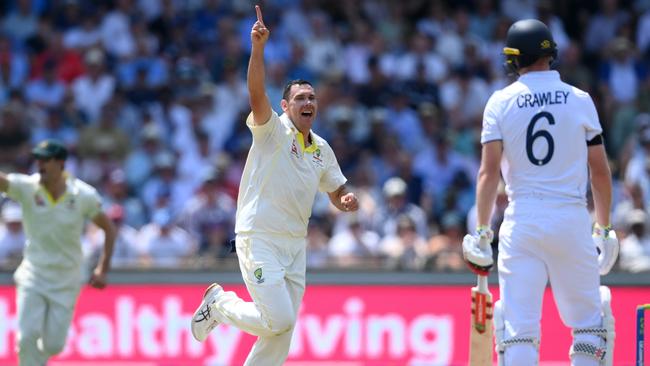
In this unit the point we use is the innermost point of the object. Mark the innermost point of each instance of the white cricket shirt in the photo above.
(281, 178)
(544, 125)
(52, 257)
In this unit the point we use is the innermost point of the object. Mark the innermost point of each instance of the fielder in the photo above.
(544, 136)
(287, 163)
(55, 206)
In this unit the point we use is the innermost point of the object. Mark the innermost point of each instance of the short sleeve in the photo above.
(491, 131)
(19, 187)
(267, 132)
(592, 122)
(92, 203)
(332, 177)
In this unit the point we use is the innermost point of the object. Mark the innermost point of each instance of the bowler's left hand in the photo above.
(349, 202)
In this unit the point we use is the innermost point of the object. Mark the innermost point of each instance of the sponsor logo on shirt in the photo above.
(294, 149)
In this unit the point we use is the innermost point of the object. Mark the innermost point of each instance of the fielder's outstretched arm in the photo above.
(258, 99)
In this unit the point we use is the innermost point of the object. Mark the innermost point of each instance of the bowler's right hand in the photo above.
(259, 33)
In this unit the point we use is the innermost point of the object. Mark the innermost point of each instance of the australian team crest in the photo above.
(258, 275)
(38, 200)
(317, 158)
(71, 204)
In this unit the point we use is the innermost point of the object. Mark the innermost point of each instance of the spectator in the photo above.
(15, 133)
(463, 97)
(355, 246)
(14, 68)
(621, 74)
(162, 243)
(439, 164)
(47, 91)
(635, 248)
(85, 35)
(20, 23)
(572, 69)
(139, 164)
(317, 241)
(445, 248)
(209, 215)
(116, 30)
(117, 193)
(164, 185)
(396, 205)
(405, 250)
(54, 128)
(125, 250)
(93, 90)
(643, 34)
(637, 172)
(603, 25)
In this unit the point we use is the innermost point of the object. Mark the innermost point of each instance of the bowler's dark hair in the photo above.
(287, 88)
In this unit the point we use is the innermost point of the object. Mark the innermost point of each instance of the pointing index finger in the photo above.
(258, 10)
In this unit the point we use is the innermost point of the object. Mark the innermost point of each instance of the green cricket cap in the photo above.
(50, 149)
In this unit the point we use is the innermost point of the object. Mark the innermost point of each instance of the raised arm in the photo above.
(259, 101)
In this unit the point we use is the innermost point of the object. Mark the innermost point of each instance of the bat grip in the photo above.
(482, 284)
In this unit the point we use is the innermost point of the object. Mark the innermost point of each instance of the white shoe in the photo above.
(205, 318)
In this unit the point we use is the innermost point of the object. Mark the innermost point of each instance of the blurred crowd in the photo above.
(150, 97)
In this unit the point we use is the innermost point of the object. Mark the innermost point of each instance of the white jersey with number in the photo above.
(52, 257)
(544, 125)
(281, 178)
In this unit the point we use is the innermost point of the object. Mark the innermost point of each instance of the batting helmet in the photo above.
(527, 41)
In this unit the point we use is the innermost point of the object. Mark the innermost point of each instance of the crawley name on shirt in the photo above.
(541, 99)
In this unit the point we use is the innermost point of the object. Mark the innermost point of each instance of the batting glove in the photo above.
(607, 243)
(477, 250)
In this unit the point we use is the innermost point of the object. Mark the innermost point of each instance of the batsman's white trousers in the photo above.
(42, 326)
(539, 242)
(273, 268)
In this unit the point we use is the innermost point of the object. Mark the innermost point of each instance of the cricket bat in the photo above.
(480, 334)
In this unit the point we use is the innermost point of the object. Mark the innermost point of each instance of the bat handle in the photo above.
(482, 283)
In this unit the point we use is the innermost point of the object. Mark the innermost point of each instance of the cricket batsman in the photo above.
(545, 138)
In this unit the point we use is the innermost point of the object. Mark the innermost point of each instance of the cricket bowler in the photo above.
(286, 165)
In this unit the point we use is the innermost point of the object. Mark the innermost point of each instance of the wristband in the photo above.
(602, 230)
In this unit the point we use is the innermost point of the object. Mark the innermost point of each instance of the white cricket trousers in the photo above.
(273, 268)
(541, 242)
(42, 326)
